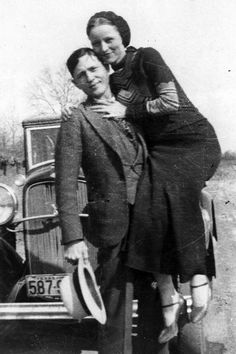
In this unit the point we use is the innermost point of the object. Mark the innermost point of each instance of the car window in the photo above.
(40, 144)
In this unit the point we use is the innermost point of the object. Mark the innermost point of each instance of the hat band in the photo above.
(79, 293)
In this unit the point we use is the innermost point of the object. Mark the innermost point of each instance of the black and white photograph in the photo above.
(117, 177)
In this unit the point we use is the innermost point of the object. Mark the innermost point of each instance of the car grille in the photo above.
(43, 237)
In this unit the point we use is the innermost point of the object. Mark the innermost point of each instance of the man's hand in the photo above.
(111, 109)
(75, 251)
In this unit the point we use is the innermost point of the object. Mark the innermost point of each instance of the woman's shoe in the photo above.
(199, 312)
(171, 331)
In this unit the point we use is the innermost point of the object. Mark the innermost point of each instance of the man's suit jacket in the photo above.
(88, 141)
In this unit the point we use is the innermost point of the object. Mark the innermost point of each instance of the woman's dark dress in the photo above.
(168, 236)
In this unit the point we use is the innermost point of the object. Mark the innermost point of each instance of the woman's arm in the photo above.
(150, 66)
(157, 75)
(167, 101)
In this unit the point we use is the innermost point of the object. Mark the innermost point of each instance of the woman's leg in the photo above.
(171, 302)
(201, 294)
(169, 296)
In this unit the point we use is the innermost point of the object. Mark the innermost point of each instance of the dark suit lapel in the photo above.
(144, 146)
(105, 130)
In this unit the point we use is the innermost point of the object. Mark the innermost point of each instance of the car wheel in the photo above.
(7, 329)
(191, 339)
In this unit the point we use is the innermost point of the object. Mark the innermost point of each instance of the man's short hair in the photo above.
(73, 59)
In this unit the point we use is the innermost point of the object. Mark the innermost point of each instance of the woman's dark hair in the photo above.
(73, 59)
(110, 18)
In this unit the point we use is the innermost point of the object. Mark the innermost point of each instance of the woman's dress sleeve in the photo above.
(150, 65)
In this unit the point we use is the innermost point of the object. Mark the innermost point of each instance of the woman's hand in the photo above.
(111, 109)
(67, 113)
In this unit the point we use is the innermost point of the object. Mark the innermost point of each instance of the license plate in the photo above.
(44, 285)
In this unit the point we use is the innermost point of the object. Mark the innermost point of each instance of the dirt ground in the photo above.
(221, 320)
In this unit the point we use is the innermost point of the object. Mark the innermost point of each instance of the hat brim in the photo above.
(90, 291)
(71, 300)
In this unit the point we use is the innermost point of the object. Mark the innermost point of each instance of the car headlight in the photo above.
(8, 204)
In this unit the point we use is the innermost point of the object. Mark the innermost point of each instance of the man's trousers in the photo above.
(119, 286)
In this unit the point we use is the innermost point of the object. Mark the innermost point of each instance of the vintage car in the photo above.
(29, 224)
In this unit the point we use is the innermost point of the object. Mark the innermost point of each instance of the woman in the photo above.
(184, 153)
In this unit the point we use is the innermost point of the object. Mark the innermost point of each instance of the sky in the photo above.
(195, 37)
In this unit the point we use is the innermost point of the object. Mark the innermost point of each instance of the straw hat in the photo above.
(81, 295)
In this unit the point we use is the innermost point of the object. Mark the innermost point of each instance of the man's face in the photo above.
(91, 76)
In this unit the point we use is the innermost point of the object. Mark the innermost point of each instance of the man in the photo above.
(111, 155)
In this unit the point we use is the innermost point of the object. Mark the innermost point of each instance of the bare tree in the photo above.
(11, 133)
(229, 155)
(13, 127)
(52, 92)
(3, 139)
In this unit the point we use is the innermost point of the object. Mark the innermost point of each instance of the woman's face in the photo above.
(107, 43)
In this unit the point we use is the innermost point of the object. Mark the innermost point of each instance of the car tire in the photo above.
(192, 339)
(7, 329)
